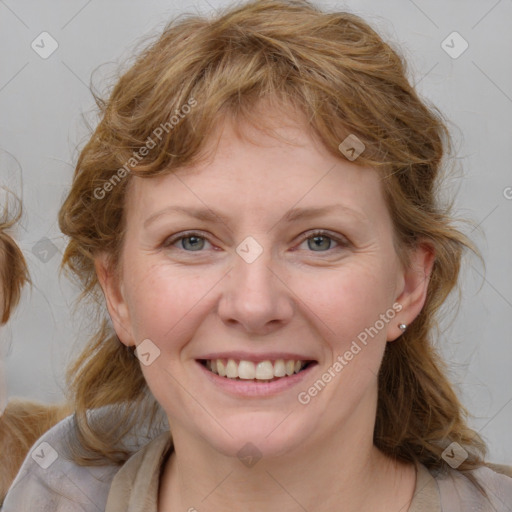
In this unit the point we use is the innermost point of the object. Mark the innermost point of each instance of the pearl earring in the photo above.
(402, 327)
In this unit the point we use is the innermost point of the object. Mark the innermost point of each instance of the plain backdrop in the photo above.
(43, 100)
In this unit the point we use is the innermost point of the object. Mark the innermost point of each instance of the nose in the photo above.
(256, 298)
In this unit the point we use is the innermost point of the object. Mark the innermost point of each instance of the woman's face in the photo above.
(221, 261)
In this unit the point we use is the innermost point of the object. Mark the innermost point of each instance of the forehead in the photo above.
(246, 168)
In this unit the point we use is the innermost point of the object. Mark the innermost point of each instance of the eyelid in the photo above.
(339, 239)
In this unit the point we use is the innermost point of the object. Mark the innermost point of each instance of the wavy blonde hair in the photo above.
(346, 80)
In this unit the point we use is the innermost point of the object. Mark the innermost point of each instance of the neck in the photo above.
(316, 476)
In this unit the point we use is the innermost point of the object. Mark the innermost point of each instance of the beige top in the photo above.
(135, 487)
(49, 481)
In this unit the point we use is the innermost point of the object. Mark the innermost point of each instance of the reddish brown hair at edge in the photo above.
(13, 268)
(13, 276)
(336, 70)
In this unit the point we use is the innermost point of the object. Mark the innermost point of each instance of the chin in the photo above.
(257, 434)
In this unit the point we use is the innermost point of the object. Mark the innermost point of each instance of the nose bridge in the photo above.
(255, 297)
(252, 278)
(252, 270)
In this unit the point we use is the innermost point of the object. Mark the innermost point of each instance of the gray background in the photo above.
(42, 102)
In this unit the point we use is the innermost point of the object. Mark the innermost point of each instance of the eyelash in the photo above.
(342, 242)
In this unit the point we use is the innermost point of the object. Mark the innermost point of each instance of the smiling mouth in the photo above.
(263, 371)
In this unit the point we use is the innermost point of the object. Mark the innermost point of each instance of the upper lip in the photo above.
(256, 358)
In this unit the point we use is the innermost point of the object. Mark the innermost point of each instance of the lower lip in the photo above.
(250, 388)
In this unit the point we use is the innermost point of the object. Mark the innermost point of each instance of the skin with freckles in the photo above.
(182, 285)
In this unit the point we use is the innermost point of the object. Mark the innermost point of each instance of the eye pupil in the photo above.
(317, 240)
(195, 243)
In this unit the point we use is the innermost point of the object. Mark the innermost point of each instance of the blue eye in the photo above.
(321, 241)
(318, 241)
(190, 242)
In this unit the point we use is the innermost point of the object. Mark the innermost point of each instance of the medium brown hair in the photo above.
(13, 268)
(336, 70)
(13, 275)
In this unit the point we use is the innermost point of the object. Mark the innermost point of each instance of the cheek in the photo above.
(163, 302)
(347, 300)
(352, 310)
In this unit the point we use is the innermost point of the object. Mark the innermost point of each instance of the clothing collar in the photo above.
(135, 486)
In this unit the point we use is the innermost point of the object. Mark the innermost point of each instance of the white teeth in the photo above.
(279, 368)
(221, 368)
(231, 369)
(264, 370)
(247, 370)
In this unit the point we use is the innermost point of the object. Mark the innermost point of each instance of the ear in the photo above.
(413, 286)
(116, 304)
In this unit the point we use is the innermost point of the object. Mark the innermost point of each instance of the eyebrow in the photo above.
(292, 215)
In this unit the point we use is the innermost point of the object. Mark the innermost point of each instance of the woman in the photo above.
(257, 211)
(22, 422)
(13, 275)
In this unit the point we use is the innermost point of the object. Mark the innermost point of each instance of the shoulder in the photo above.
(458, 492)
(135, 486)
(49, 480)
